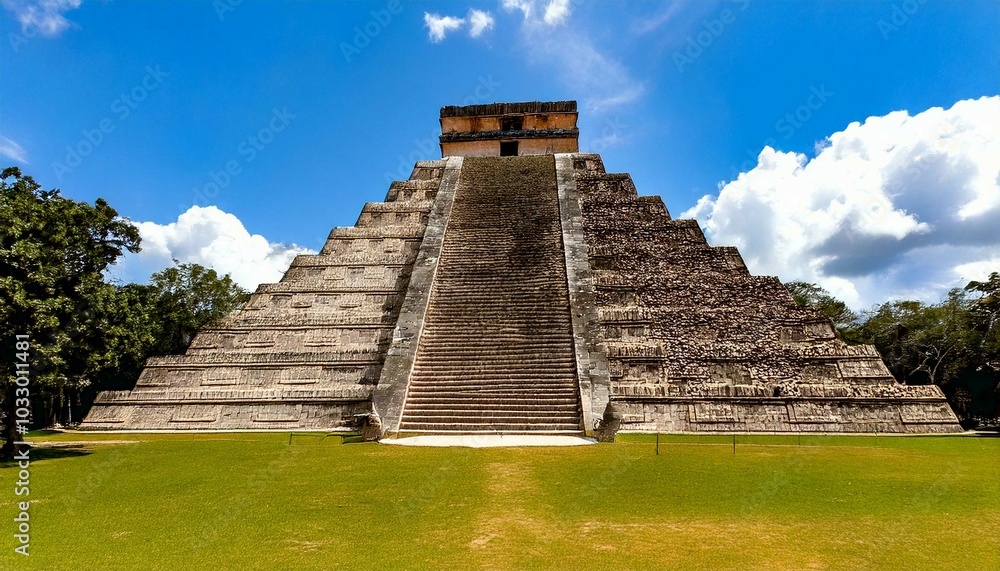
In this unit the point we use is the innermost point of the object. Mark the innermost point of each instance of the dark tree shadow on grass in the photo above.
(40, 454)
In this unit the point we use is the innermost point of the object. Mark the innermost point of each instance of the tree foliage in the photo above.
(85, 333)
(186, 298)
(924, 343)
(811, 295)
(986, 315)
(53, 252)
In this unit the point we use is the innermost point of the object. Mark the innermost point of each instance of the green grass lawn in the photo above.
(252, 501)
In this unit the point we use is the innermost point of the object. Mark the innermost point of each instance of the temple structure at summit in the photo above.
(515, 286)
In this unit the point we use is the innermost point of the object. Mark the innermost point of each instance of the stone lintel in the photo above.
(510, 135)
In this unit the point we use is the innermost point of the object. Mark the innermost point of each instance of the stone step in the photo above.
(466, 336)
(481, 375)
(503, 358)
(452, 371)
(474, 387)
(488, 378)
(542, 347)
(440, 405)
(467, 321)
(430, 368)
(496, 391)
(524, 359)
(575, 432)
(566, 414)
(549, 420)
(516, 284)
(530, 356)
(516, 389)
(444, 369)
(496, 311)
(491, 428)
(445, 406)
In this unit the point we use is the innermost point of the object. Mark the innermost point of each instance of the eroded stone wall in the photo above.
(696, 343)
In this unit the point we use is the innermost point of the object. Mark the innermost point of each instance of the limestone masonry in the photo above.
(516, 287)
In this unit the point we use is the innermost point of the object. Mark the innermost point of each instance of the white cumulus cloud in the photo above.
(214, 239)
(556, 12)
(900, 206)
(525, 6)
(479, 22)
(42, 16)
(438, 26)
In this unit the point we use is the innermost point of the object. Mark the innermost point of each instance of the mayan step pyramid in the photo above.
(516, 287)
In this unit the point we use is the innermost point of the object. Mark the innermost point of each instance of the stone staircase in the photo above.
(496, 352)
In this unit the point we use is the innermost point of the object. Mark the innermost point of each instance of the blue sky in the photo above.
(314, 106)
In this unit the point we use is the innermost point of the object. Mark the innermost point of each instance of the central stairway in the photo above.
(496, 351)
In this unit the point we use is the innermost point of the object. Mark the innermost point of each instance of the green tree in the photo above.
(812, 295)
(925, 343)
(986, 316)
(186, 298)
(986, 319)
(53, 252)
